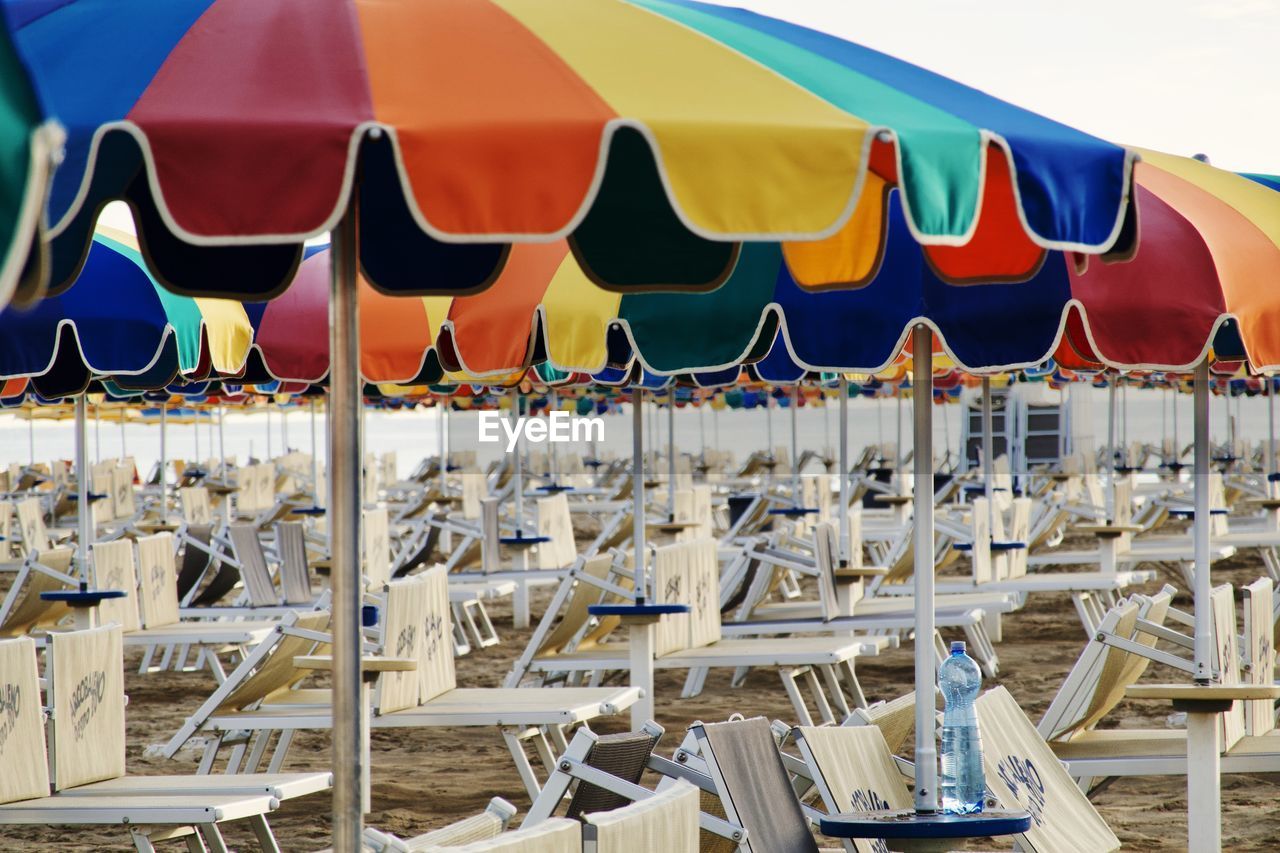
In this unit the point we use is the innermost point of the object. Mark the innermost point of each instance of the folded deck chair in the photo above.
(117, 567)
(257, 699)
(89, 751)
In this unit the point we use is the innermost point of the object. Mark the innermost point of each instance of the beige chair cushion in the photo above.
(557, 835)
(435, 660)
(377, 548)
(1023, 773)
(555, 523)
(158, 580)
(666, 822)
(113, 570)
(22, 750)
(854, 771)
(87, 671)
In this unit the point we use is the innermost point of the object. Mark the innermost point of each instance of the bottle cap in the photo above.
(957, 647)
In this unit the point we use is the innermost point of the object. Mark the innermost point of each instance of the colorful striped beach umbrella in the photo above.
(118, 322)
(654, 134)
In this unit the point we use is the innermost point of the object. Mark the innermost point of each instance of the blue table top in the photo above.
(909, 824)
(636, 609)
(554, 487)
(523, 540)
(308, 510)
(81, 598)
(793, 510)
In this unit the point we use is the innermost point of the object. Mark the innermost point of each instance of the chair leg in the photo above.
(484, 632)
(788, 677)
(213, 836)
(262, 831)
(855, 686)
(819, 697)
(515, 746)
(832, 678)
(739, 676)
(210, 755)
(283, 743)
(256, 752)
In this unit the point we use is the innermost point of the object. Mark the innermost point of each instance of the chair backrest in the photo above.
(264, 483)
(854, 771)
(623, 755)
(667, 822)
(196, 508)
(86, 676)
(22, 746)
(253, 565)
(247, 490)
(35, 536)
(1259, 714)
(754, 787)
(418, 624)
(376, 542)
(1090, 688)
(473, 492)
(575, 614)
(894, 718)
(688, 573)
(158, 580)
(274, 672)
(295, 574)
(980, 555)
(1019, 531)
(1226, 645)
(556, 835)
(113, 569)
(555, 522)
(122, 498)
(23, 608)
(1023, 773)
(6, 530)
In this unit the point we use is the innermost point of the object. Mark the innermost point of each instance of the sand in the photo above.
(425, 778)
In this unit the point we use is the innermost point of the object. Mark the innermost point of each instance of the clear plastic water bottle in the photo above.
(963, 785)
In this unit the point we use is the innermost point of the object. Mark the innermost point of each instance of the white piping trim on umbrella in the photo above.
(375, 129)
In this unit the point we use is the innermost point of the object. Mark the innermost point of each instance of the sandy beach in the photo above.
(426, 778)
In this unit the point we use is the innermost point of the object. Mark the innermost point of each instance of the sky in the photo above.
(1182, 76)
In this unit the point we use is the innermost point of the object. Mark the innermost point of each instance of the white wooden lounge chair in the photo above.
(90, 750)
(256, 698)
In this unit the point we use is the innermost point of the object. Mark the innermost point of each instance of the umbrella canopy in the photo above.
(653, 134)
(118, 322)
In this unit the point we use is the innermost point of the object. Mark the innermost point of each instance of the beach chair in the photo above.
(257, 700)
(86, 763)
(23, 610)
(114, 568)
(749, 783)
(688, 573)
(1022, 772)
(558, 835)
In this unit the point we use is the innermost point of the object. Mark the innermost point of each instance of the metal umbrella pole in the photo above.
(124, 445)
(222, 443)
(444, 445)
(640, 633)
(315, 459)
(84, 515)
(795, 452)
(269, 455)
(843, 457)
(1200, 530)
(517, 410)
(988, 450)
(926, 751)
(31, 440)
(164, 463)
(195, 420)
(97, 435)
(1111, 449)
(702, 431)
(1271, 434)
(899, 465)
(553, 455)
(671, 453)
(350, 767)
(768, 425)
(284, 429)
